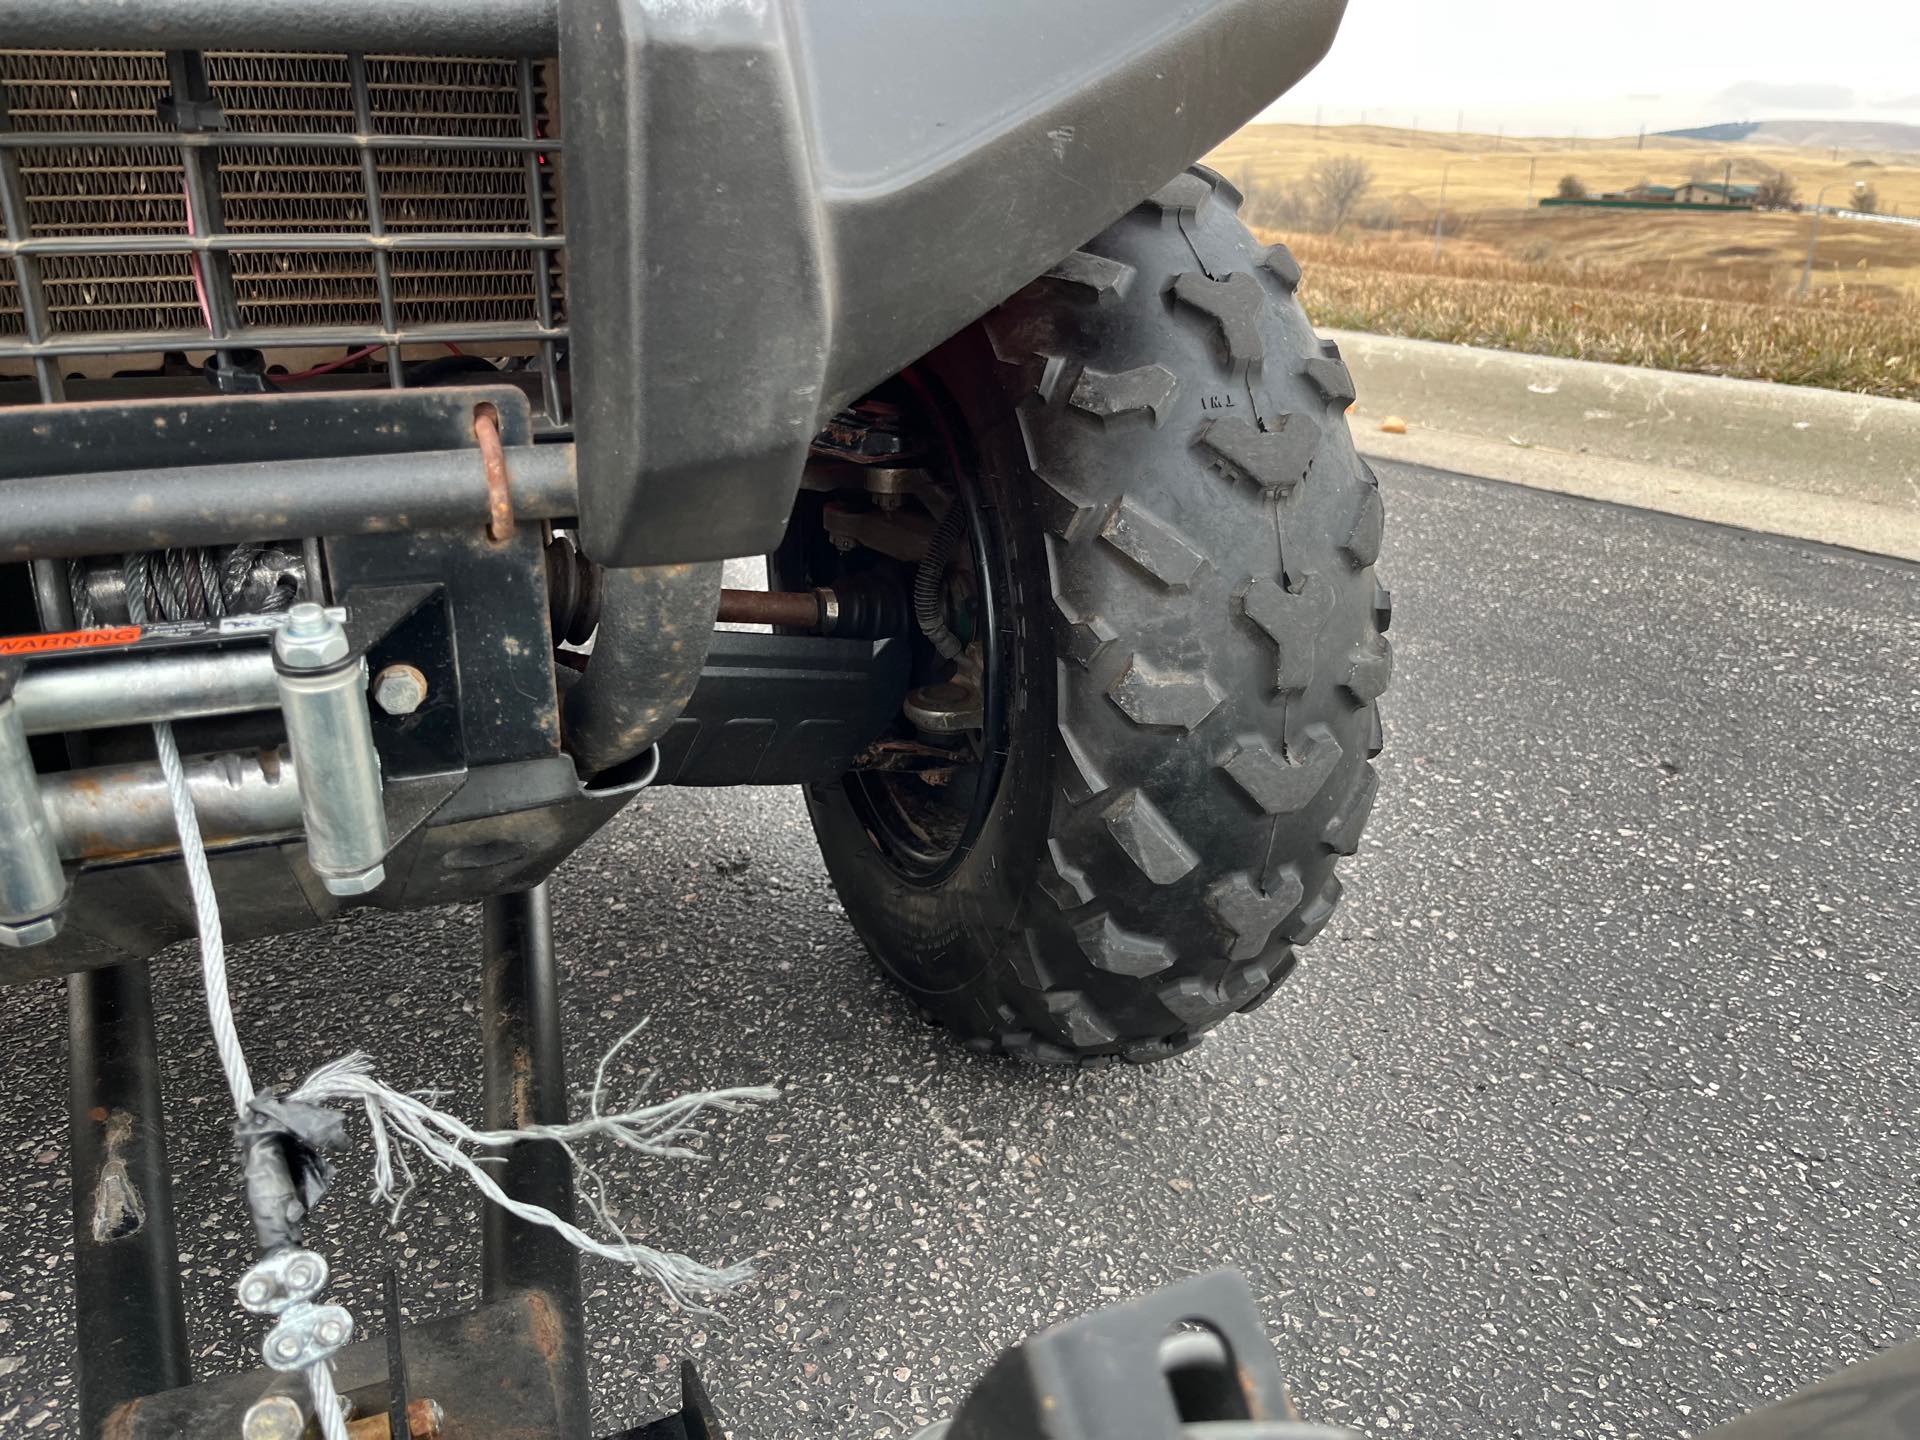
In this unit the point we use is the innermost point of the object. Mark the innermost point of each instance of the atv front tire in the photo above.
(1190, 543)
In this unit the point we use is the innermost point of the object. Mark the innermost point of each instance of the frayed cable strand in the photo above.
(446, 1141)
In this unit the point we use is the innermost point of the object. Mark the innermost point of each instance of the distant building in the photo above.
(1694, 195)
(1712, 192)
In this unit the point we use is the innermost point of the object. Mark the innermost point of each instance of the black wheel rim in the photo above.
(876, 798)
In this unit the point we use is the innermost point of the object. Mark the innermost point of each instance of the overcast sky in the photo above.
(1553, 65)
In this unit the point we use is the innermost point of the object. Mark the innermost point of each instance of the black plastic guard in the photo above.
(783, 710)
(1101, 1376)
(775, 205)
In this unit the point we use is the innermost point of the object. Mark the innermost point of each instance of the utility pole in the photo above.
(1440, 215)
(1643, 136)
(1316, 120)
(1726, 185)
(1460, 126)
(1533, 162)
(1813, 241)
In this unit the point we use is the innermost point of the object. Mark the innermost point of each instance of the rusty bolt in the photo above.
(425, 1419)
(400, 689)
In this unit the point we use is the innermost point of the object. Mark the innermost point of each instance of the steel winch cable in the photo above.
(192, 583)
(213, 974)
(303, 1119)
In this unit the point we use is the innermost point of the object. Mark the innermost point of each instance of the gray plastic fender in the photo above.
(775, 204)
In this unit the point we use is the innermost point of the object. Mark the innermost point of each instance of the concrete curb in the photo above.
(1786, 460)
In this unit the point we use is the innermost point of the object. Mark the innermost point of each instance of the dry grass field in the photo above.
(1765, 248)
(1487, 172)
(1685, 290)
(1475, 295)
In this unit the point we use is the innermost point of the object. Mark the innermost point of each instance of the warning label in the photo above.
(68, 640)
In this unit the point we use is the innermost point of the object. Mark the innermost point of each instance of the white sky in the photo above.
(1607, 65)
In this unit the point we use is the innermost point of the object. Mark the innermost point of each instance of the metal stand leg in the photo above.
(526, 1083)
(130, 1326)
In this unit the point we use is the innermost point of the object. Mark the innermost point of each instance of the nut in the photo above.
(400, 689)
(363, 882)
(284, 1345)
(21, 934)
(945, 707)
(310, 639)
(306, 1274)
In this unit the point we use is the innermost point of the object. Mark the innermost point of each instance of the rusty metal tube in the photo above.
(121, 811)
(154, 508)
(789, 609)
(132, 1335)
(524, 1083)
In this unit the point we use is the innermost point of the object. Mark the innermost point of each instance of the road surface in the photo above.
(1592, 1113)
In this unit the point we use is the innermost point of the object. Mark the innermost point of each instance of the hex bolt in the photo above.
(311, 639)
(308, 620)
(257, 1291)
(274, 1417)
(400, 689)
(333, 1332)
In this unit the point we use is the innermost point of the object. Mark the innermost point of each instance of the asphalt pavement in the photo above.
(1592, 1113)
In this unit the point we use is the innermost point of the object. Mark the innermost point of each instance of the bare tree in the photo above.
(1777, 191)
(1267, 203)
(1571, 187)
(1336, 186)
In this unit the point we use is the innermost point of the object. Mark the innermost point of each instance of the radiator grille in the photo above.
(157, 201)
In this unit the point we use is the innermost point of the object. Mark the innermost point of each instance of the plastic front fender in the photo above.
(773, 205)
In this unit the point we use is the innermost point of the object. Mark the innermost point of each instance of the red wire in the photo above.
(331, 365)
(345, 360)
(193, 265)
(348, 360)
